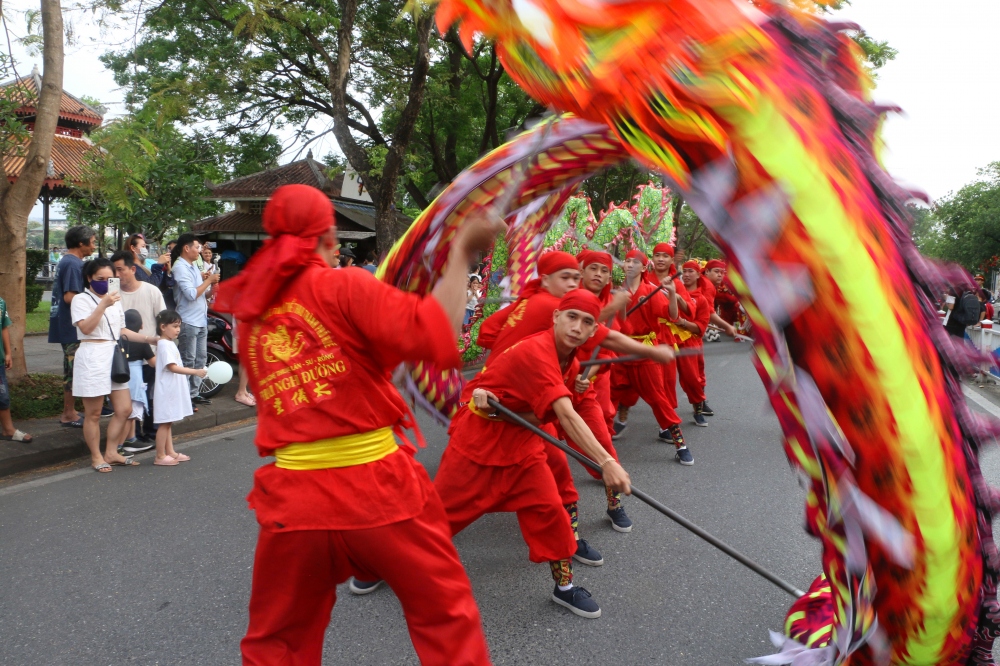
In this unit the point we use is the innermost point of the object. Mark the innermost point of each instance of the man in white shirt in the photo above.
(148, 301)
(192, 306)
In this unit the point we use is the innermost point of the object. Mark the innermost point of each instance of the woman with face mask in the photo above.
(100, 321)
(137, 246)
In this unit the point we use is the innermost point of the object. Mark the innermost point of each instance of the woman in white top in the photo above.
(472, 294)
(100, 320)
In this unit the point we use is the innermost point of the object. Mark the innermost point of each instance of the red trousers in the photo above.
(590, 411)
(559, 466)
(470, 490)
(629, 382)
(295, 575)
(692, 371)
(602, 384)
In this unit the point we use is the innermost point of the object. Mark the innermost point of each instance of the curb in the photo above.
(57, 444)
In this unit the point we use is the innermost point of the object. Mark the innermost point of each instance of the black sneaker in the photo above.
(684, 456)
(138, 446)
(619, 428)
(578, 600)
(587, 555)
(620, 520)
(705, 409)
(699, 420)
(199, 400)
(363, 586)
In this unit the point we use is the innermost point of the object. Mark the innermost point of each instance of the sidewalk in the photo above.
(53, 443)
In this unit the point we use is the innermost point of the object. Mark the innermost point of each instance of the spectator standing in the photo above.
(192, 306)
(81, 242)
(100, 320)
(162, 275)
(472, 297)
(137, 248)
(140, 356)
(986, 311)
(369, 263)
(172, 404)
(148, 301)
(10, 433)
(208, 266)
(346, 257)
(965, 310)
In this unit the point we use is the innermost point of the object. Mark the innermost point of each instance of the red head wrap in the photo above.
(583, 257)
(582, 300)
(664, 247)
(602, 258)
(636, 254)
(295, 217)
(555, 261)
(714, 263)
(694, 265)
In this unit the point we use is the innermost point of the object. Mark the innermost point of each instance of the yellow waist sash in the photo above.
(649, 339)
(678, 332)
(481, 414)
(345, 451)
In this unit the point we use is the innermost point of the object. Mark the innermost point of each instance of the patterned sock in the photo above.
(678, 436)
(623, 414)
(574, 519)
(614, 499)
(562, 571)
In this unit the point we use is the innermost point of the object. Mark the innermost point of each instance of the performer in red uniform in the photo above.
(560, 274)
(726, 301)
(663, 267)
(643, 379)
(691, 369)
(343, 498)
(493, 466)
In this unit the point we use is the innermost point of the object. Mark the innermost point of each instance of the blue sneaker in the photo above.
(699, 420)
(587, 554)
(684, 456)
(620, 520)
(578, 600)
(107, 411)
(619, 428)
(363, 586)
(705, 409)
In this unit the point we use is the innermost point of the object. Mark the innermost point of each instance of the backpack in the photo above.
(966, 310)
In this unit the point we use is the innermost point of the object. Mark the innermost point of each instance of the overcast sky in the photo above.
(944, 79)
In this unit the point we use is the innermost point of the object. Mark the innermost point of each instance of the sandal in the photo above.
(250, 402)
(180, 457)
(127, 462)
(103, 467)
(73, 424)
(166, 462)
(18, 436)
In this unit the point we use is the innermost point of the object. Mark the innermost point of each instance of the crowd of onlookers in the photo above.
(157, 316)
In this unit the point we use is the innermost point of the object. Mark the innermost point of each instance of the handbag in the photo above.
(120, 373)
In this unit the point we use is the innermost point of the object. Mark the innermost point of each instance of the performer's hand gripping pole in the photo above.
(669, 513)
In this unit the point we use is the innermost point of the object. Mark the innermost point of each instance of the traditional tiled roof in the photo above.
(70, 107)
(261, 185)
(65, 163)
(352, 219)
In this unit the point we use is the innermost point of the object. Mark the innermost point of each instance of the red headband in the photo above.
(602, 258)
(693, 265)
(663, 247)
(714, 263)
(636, 254)
(582, 300)
(555, 261)
(295, 217)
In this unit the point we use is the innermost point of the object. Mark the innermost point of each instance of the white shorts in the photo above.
(138, 409)
(92, 370)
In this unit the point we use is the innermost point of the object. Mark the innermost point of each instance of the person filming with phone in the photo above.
(192, 305)
(97, 314)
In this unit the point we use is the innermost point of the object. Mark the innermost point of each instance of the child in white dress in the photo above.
(171, 394)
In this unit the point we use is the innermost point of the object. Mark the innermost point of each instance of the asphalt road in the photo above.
(153, 566)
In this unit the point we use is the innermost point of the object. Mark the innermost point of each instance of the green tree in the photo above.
(970, 220)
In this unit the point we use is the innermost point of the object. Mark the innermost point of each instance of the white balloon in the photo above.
(220, 372)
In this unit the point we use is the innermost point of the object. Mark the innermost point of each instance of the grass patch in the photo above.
(38, 396)
(38, 321)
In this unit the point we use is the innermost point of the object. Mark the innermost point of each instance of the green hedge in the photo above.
(32, 296)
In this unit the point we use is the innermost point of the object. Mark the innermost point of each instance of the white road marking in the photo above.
(981, 400)
(37, 483)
